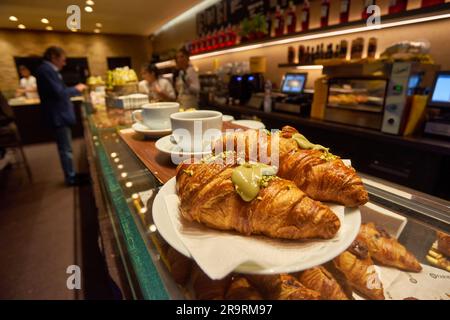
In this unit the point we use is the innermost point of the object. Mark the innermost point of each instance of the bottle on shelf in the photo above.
(329, 54)
(324, 13)
(428, 3)
(372, 48)
(343, 50)
(221, 38)
(396, 6)
(367, 3)
(321, 52)
(202, 43)
(307, 57)
(208, 42)
(337, 51)
(215, 39)
(301, 54)
(269, 24)
(291, 55)
(231, 37)
(357, 48)
(312, 56)
(291, 18)
(305, 16)
(279, 22)
(344, 11)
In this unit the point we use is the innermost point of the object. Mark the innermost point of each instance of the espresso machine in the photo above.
(242, 87)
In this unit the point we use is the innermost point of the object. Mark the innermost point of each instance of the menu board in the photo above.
(232, 12)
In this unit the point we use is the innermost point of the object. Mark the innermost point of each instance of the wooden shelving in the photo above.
(319, 32)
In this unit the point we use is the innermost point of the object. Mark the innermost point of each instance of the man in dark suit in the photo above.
(57, 108)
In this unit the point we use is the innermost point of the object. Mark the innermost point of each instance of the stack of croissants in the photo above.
(288, 207)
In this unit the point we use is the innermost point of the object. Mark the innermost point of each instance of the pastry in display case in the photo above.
(310, 197)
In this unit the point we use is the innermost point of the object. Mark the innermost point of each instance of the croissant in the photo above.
(180, 266)
(320, 280)
(282, 287)
(207, 289)
(358, 269)
(281, 210)
(320, 177)
(241, 289)
(386, 250)
(443, 243)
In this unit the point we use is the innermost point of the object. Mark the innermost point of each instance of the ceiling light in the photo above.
(88, 9)
(98, 25)
(90, 2)
(320, 35)
(97, 30)
(45, 20)
(13, 18)
(187, 14)
(21, 26)
(49, 28)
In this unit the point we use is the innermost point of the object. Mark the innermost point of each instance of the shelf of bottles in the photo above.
(280, 25)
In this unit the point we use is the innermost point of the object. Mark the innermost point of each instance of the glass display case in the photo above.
(357, 94)
(127, 189)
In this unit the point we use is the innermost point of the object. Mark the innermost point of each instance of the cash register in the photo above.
(438, 123)
(293, 98)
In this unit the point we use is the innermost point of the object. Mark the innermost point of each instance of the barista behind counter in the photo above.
(156, 87)
(27, 84)
(187, 83)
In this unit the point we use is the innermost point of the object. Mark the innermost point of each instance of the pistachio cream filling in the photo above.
(305, 144)
(249, 178)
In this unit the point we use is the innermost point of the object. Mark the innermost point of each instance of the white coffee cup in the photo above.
(156, 116)
(193, 131)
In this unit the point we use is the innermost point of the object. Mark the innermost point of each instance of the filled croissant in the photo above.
(241, 289)
(320, 280)
(280, 210)
(318, 173)
(358, 269)
(387, 250)
(282, 287)
(443, 243)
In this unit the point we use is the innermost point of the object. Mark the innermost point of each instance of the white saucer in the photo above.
(165, 146)
(140, 128)
(251, 124)
(227, 118)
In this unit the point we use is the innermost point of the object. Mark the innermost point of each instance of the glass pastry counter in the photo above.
(126, 190)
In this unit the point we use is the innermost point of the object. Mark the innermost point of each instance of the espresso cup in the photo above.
(194, 131)
(156, 116)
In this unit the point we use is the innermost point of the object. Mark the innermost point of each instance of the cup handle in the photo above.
(134, 118)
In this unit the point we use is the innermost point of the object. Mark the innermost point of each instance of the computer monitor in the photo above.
(440, 95)
(293, 83)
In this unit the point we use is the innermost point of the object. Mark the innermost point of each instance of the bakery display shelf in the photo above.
(144, 252)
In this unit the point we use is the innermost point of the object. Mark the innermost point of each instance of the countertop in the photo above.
(417, 142)
(17, 102)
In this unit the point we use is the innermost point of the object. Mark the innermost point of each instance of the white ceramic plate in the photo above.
(349, 228)
(140, 128)
(251, 124)
(164, 145)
